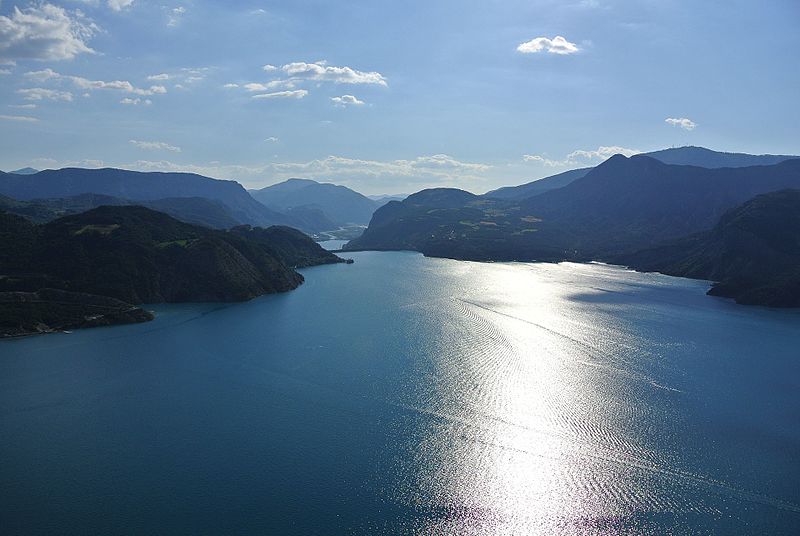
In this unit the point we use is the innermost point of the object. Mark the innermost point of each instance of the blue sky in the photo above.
(390, 97)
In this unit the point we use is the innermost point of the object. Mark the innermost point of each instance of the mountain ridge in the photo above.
(139, 186)
(338, 203)
(688, 155)
(752, 254)
(622, 206)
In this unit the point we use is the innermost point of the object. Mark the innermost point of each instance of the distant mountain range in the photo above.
(660, 211)
(304, 204)
(622, 205)
(702, 157)
(137, 255)
(139, 186)
(385, 198)
(686, 156)
(197, 210)
(316, 208)
(339, 204)
(616, 209)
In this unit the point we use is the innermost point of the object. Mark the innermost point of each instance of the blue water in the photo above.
(409, 395)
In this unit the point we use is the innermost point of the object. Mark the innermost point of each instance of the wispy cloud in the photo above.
(155, 146)
(119, 5)
(20, 118)
(274, 84)
(272, 139)
(40, 93)
(175, 15)
(44, 32)
(346, 100)
(296, 94)
(682, 122)
(87, 84)
(439, 169)
(582, 156)
(557, 45)
(135, 102)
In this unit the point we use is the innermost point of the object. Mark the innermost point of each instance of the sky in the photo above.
(391, 97)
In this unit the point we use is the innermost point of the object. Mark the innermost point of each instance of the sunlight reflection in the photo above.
(525, 425)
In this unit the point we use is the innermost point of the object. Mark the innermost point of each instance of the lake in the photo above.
(403, 394)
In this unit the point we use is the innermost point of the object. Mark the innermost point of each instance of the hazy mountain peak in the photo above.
(25, 171)
(692, 155)
(338, 203)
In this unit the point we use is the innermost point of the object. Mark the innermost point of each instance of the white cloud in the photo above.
(601, 153)
(581, 156)
(542, 160)
(30, 106)
(44, 32)
(682, 122)
(435, 168)
(230, 86)
(556, 45)
(159, 77)
(135, 102)
(155, 146)
(274, 84)
(40, 93)
(271, 139)
(119, 85)
(346, 100)
(296, 94)
(423, 170)
(86, 84)
(321, 71)
(119, 5)
(175, 15)
(5, 71)
(269, 68)
(19, 118)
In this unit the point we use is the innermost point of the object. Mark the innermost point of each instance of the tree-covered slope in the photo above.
(623, 205)
(753, 253)
(140, 256)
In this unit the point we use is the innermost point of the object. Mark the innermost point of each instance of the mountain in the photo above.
(24, 171)
(538, 186)
(688, 156)
(196, 210)
(292, 247)
(702, 157)
(630, 203)
(622, 205)
(339, 204)
(138, 255)
(753, 253)
(140, 186)
(385, 198)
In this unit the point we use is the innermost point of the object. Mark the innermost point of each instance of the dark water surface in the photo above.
(409, 395)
